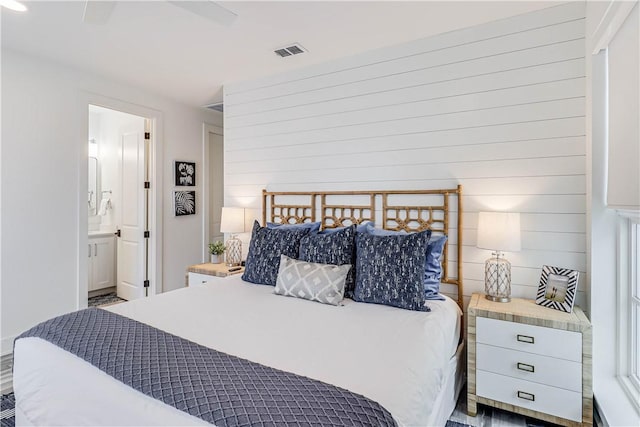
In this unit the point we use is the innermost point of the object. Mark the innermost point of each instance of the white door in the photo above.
(131, 242)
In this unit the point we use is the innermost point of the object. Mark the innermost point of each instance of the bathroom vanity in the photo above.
(102, 260)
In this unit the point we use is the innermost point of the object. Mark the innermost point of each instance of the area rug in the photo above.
(102, 300)
(8, 410)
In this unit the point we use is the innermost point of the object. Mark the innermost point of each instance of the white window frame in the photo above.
(628, 257)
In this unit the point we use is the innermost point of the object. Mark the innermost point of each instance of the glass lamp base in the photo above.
(234, 251)
(497, 299)
(497, 279)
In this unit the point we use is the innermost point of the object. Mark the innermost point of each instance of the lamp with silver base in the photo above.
(232, 222)
(498, 231)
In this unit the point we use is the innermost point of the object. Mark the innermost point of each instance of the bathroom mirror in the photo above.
(93, 199)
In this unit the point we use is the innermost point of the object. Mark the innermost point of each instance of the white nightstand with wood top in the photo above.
(530, 359)
(200, 273)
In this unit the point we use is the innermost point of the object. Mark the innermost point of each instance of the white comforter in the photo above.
(395, 357)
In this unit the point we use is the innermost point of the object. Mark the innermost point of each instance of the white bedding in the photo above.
(398, 358)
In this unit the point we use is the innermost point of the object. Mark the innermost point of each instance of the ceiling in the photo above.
(170, 51)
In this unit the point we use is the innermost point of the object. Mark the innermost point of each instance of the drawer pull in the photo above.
(525, 338)
(526, 367)
(526, 396)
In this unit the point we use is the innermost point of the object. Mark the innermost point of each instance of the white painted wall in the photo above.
(498, 108)
(44, 143)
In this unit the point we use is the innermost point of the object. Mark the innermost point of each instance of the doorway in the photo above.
(119, 205)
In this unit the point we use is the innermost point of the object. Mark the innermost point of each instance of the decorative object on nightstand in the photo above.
(233, 222)
(526, 359)
(498, 231)
(216, 249)
(557, 288)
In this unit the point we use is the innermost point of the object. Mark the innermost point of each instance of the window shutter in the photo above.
(623, 186)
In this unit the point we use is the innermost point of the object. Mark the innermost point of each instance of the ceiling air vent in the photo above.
(216, 107)
(294, 49)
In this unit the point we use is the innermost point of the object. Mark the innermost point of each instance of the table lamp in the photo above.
(232, 222)
(498, 231)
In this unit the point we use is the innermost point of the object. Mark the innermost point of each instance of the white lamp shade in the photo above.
(232, 220)
(499, 231)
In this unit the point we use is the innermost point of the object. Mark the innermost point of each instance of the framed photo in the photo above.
(185, 173)
(184, 203)
(557, 288)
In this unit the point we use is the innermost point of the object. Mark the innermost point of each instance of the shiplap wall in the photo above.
(498, 108)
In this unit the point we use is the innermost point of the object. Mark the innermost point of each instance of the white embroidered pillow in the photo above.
(310, 280)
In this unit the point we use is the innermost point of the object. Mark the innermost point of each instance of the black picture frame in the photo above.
(185, 173)
(557, 288)
(184, 202)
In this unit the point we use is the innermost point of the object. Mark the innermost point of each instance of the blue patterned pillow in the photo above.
(382, 232)
(336, 248)
(433, 268)
(360, 228)
(265, 249)
(313, 226)
(391, 270)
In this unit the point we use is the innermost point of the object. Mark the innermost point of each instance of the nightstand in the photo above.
(200, 273)
(529, 359)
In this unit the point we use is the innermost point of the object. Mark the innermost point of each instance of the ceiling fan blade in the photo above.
(97, 12)
(209, 10)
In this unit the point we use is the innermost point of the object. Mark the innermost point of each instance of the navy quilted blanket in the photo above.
(219, 388)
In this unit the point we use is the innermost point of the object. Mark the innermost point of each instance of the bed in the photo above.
(410, 362)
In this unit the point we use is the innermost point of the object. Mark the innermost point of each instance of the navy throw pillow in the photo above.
(265, 248)
(433, 268)
(382, 232)
(313, 226)
(391, 270)
(337, 248)
(360, 228)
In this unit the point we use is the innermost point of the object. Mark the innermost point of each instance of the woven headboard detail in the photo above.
(407, 210)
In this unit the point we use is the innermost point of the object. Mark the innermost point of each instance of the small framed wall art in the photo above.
(185, 173)
(557, 288)
(184, 203)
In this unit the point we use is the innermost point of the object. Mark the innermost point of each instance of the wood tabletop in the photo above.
(218, 270)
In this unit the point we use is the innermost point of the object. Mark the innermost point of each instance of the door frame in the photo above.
(155, 174)
(206, 169)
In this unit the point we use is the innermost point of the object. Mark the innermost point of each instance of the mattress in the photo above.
(398, 358)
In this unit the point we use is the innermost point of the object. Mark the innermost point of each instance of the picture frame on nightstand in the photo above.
(557, 288)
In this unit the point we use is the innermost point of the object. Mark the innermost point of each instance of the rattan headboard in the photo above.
(408, 210)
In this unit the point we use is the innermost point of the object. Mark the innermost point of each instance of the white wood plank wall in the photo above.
(498, 108)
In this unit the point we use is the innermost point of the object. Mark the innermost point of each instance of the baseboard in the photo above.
(598, 419)
(6, 345)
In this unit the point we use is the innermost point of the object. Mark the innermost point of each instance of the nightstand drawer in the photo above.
(530, 367)
(532, 339)
(197, 278)
(526, 394)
